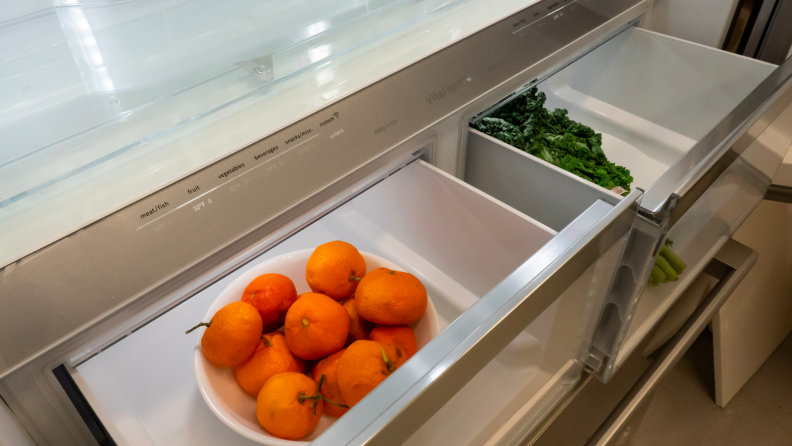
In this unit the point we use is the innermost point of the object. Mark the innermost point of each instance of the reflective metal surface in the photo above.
(779, 193)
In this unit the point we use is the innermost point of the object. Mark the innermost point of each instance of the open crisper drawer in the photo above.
(702, 132)
(475, 255)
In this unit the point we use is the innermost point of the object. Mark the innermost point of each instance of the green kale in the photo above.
(525, 123)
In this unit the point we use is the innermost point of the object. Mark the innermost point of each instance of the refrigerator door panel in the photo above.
(474, 255)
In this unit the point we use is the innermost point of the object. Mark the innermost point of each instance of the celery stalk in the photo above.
(673, 259)
(666, 268)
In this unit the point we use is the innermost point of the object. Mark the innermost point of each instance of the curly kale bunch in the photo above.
(525, 123)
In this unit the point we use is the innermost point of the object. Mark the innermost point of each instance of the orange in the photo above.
(400, 336)
(359, 328)
(283, 409)
(391, 297)
(270, 358)
(232, 334)
(334, 269)
(316, 326)
(272, 295)
(362, 367)
(329, 368)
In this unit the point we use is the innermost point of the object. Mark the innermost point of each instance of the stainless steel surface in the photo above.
(578, 417)
(167, 246)
(760, 25)
(440, 369)
(692, 175)
(779, 193)
(616, 429)
(777, 38)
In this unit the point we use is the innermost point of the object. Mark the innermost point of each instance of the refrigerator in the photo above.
(156, 151)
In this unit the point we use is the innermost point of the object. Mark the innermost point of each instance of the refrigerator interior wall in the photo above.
(114, 100)
(458, 241)
(652, 97)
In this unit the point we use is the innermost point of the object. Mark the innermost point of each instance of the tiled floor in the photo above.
(683, 412)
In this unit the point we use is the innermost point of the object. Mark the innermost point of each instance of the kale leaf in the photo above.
(525, 123)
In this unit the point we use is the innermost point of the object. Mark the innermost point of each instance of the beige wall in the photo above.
(758, 316)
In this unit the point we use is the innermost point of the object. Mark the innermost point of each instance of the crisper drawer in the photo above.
(702, 132)
(514, 297)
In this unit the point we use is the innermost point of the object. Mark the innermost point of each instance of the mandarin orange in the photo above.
(401, 337)
(334, 269)
(232, 334)
(362, 367)
(271, 357)
(272, 295)
(359, 328)
(391, 297)
(287, 406)
(316, 326)
(329, 368)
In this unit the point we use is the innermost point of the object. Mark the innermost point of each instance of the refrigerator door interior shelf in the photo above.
(473, 254)
(661, 105)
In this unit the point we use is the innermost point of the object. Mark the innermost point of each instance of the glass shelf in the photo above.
(82, 69)
(103, 102)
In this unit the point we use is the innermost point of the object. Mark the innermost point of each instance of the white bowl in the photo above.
(218, 387)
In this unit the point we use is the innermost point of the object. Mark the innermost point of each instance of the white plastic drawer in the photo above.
(668, 111)
(460, 242)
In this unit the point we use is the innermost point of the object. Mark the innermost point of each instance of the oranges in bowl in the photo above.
(314, 351)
